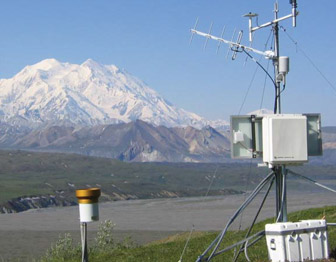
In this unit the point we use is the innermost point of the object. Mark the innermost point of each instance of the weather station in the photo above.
(279, 141)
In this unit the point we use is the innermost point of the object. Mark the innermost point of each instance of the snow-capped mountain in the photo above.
(262, 111)
(86, 94)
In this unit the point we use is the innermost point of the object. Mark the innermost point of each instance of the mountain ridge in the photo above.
(86, 94)
(136, 141)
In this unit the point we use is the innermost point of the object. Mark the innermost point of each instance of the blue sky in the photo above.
(150, 39)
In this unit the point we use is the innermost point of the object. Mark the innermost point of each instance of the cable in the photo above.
(193, 227)
(260, 65)
(255, 218)
(268, 62)
(311, 180)
(185, 246)
(248, 89)
(309, 59)
(210, 185)
(240, 209)
(246, 184)
(245, 251)
(263, 92)
(219, 237)
(283, 193)
(254, 74)
(283, 88)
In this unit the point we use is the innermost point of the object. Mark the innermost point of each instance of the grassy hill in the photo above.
(26, 174)
(170, 249)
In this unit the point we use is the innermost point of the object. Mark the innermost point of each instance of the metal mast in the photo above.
(279, 172)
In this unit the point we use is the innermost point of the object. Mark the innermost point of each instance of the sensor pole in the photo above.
(83, 229)
(280, 171)
(88, 212)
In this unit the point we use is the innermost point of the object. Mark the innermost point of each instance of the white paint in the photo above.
(88, 212)
(299, 241)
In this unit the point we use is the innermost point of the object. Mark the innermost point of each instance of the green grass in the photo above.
(30, 174)
(170, 249)
(26, 174)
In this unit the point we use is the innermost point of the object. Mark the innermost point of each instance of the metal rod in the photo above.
(311, 180)
(259, 234)
(280, 171)
(83, 227)
(242, 207)
(255, 217)
(220, 236)
(277, 20)
(284, 197)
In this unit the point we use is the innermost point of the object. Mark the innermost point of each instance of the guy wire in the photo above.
(308, 58)
(268, 62)
(193, 226)
(254, 74)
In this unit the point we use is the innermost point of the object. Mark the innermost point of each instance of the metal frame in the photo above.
(279, 172)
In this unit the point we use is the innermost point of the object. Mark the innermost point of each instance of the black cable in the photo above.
(275, 85)
(253, 59)
(275, 101)
(283, 88)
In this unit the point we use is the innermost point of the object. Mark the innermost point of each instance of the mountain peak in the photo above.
(47, 64)
(86, 94)
(262, 111)
(91, 63)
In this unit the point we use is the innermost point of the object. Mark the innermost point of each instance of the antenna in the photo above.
(236, 49)
(207, 38)
(269, 54)
(219, 43)
(279, 170)
(229, 48)
(192, 34)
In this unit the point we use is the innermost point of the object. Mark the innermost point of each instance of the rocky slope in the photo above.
(134, 141)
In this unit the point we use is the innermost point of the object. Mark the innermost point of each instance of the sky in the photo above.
(150, 39)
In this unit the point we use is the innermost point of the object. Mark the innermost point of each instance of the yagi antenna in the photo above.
(219, 43)
(192, 34)
(207, 38)
(234, 46)
(230, 46)
(236, 49)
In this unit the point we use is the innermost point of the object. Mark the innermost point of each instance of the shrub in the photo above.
(62, 250)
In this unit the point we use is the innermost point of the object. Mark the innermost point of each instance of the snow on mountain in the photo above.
(263, 111)
(86, 94)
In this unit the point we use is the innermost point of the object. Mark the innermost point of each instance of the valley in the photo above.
(36, 180)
